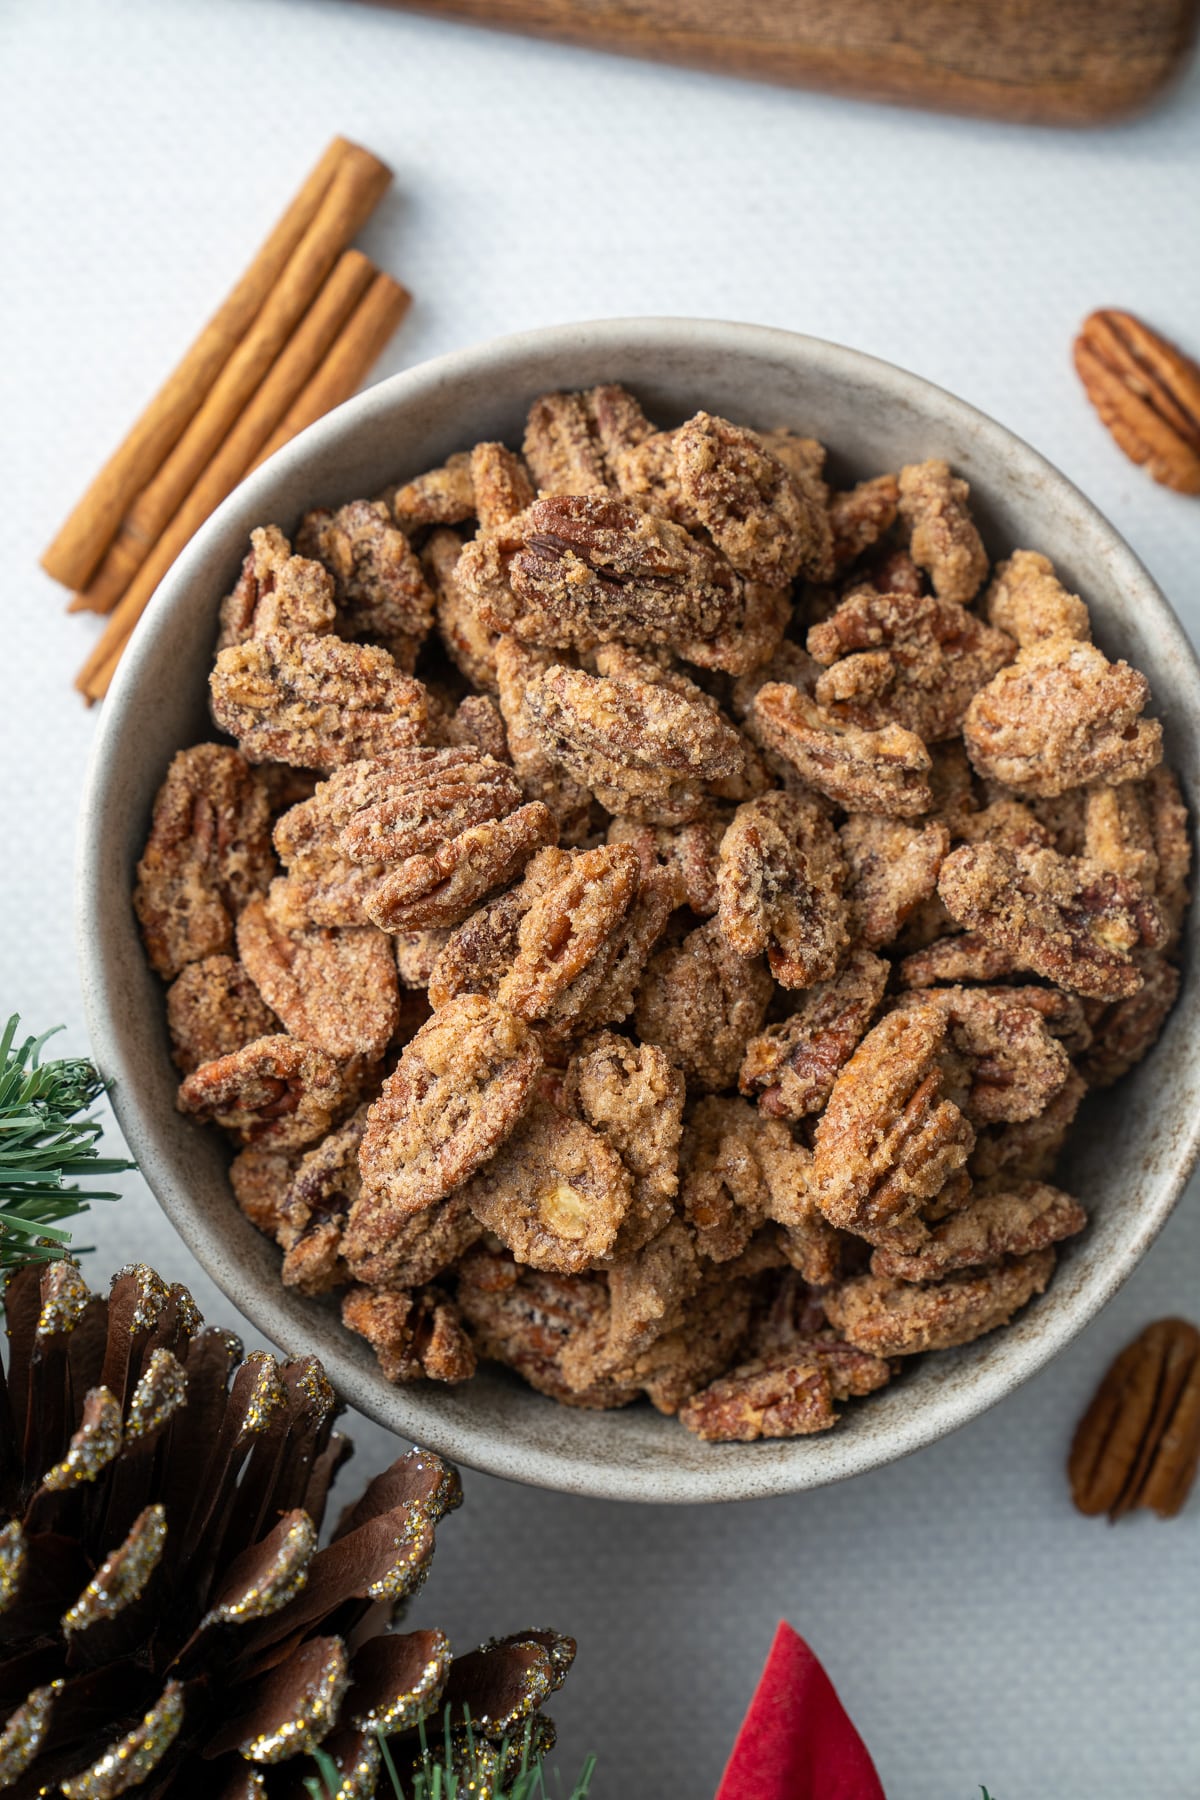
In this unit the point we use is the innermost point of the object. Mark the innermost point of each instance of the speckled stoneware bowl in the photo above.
(1132, 1150)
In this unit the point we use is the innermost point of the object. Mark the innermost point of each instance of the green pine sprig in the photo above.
(457, 1769)
(44, 1145)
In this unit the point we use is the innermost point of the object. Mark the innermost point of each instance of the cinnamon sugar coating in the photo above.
(861, 515)
(335, 987)
(880, 771)
(1172, 837)
(443, 496)
(208, 853)
(1002, 1064)
(555, 1194)
(701, 1003)
(892, 868)
(277, 1092)
(711, 1338)
(538, 769)
(780, 882)
(1126, 1030)
(213, 1008)
(791, 1067)
(276, 592)
(259, 1177)
(942, 536)
(478, 724)
(788, 1393)
(382, 594)
(314, 701)
(897, 1318)
(1026, 599)
(413, 1335)
(440, 889)
(573, 441)
(527, 1318)
(1030, 1149)
(952, 960)
(1012, 1221)
(466, 639)
(690, 851)
(1064, 918)
(461, 1086)
(501, 485)
(633, 1096)
(903, 659)
(1059, 717)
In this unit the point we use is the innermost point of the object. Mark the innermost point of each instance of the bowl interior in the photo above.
(1131, 1151)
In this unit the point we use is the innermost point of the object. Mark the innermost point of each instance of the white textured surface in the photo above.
(977, 1629)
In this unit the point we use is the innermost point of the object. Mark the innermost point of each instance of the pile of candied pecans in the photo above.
(716, 899)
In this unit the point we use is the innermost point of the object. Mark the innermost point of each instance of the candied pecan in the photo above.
(1117, 833)
(325, 885)
(780, 883)
(633, 1096)
(314, 1265)
(442, 888)
(888, 1140)
(809, 1243)
(1139, 1441)
(1002, 1063)
(589, 568)
(314, 701)
(689, 851)
(943, 538)
(208, 853)
(478, 724)
(335, 987)
(414, 1335)
(461, 1086)
(701, 1003)
(573, 441)
(382, 593)
(900, 1318)
(1066, 919)
(892, 868)
(555, 1194)
(414, 1250)
(260, 1179)
(903, 659)
(967, 957)
(213, 1008)
(444, 496)
(647, 1292)
(1026, 599)
(861, 515)
(502, 487)
(792, 1066)
(880, 771)
(1172, 846)
(783, 1397)
(539, 772)
(1060, 716)
(609, 997)
(710, 1338)
(276, 592)
(467, 640)
(1128, 1029)
(1029, 1150)
(416, 954)
(723, 1193)
(791, 664)
(750, 636)
(1012, 1221)
(325, 1182)
(1002, 821)
(527, 1318)
(277, 1092)
(644, 748)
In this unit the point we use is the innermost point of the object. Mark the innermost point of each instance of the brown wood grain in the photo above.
(1060, 62)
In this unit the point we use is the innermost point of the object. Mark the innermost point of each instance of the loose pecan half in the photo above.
(1147, 392)
(1066, 919)
(779, 882)
(1138, 1444)
(792, 1067)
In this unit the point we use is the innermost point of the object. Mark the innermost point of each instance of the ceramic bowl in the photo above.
(1132, 1151)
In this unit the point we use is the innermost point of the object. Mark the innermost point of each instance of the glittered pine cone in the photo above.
(168, 1626)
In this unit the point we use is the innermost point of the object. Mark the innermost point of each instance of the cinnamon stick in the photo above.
(76, 550)
(361, 341)
(331, 315)
(356, 186)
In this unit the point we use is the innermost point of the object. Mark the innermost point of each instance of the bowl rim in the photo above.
(408, 1412)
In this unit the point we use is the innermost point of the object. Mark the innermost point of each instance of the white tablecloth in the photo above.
(979, 1630)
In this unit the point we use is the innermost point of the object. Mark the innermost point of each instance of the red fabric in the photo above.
(796, 1741)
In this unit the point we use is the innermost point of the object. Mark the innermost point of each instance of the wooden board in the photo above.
(1061, 62)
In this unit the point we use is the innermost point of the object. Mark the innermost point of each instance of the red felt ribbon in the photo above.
(796, 1741)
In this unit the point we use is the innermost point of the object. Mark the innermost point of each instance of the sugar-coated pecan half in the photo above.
(953, 960)
(501, 485)
(780, 885)
(276, 592)
(208, 853)
(892, 868)
(1059, 717)
(590, 568)
(442, 496)
(527, 1318)
(382, 593)
(573, 441)
(213, 1008)
(861, 515)
(539, 771)
(461, 1086)
(1001, 1064)
(904, 659)
(1125, 1031)
(701, 1003)
(555, 1193)
(750, 636)
(478, 724)
(901, 1318)
(791, 1067)
(1117, 832)
(1030, 1149)
(565, 933)
(277, 1092)
(711, 1338)
(333, 986)
(690, 851)
(786, 1392)
(415, 1335)
(648, 1291)
(942, 534)
(880, 771)
(723, 1192)
(1011, 1221)
(1171, 831)
(1064, 918)
(633, 1096)
(441, 888)
(888, 1139)
(415, 801)
(259, 1177)
(314, 701)
(1026, 599)
(468, 642)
